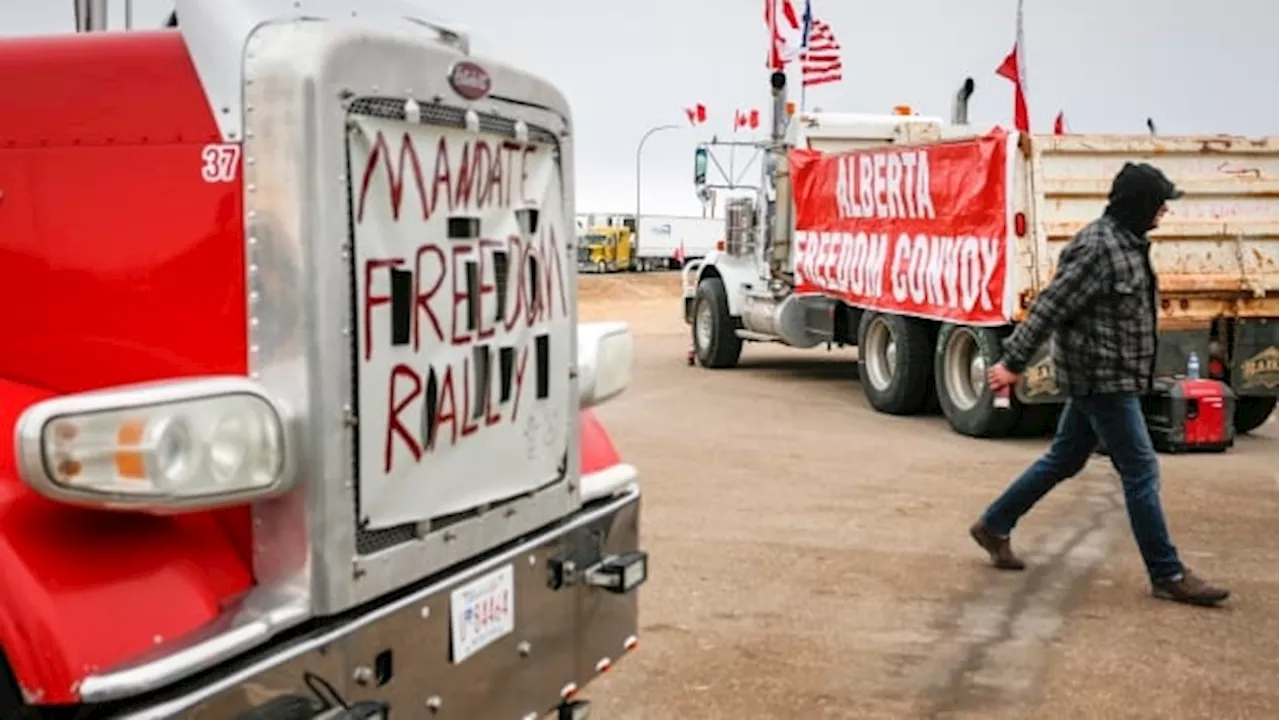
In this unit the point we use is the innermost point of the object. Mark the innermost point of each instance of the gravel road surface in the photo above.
(810, 557)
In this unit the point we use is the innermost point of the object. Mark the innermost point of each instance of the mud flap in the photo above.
(1039, 381)
(1255, 358)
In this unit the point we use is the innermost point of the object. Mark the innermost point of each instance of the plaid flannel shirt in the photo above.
(1101, 311)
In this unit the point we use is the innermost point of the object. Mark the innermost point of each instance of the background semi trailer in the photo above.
(289, 435)
(664, 242)
(667, 242)
(1215, 253)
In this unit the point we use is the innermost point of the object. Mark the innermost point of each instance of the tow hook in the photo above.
(618, 574)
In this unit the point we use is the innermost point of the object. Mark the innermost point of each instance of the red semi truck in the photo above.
(297, 399)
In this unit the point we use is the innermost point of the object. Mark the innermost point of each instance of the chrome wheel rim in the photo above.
(966, 369)
(881, 350)
(702, 325)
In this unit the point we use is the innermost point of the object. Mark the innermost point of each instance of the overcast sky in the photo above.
(1195, 66)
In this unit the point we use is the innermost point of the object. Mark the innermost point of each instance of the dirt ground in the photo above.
(810, 557)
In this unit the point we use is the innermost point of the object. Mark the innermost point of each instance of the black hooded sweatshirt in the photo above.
(1137, 193)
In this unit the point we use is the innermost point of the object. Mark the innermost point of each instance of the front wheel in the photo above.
(1252, 412)
(893, 362)
(960, 361)
(715, 339)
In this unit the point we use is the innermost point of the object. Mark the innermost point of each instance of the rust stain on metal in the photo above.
(1025, 297)
(1212, 145)
(1177, 322)
(1227, 168)
(1193, 282)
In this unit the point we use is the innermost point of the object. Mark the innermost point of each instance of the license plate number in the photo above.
(482, 612)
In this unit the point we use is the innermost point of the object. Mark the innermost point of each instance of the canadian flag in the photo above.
(697, 114)
(746, 119)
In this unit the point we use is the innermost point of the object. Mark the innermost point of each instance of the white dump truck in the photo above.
(923, 242)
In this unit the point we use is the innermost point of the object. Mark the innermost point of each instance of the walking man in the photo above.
(1101, 310)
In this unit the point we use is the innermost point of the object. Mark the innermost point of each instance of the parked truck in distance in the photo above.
(662, 242)
(297, 404)
(923, 243)
(606, 249)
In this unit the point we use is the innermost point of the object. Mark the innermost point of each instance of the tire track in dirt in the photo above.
(992, 651)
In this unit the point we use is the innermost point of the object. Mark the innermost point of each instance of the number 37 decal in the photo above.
(220, 163)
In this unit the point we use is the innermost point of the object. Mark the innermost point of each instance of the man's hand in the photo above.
(999, 377)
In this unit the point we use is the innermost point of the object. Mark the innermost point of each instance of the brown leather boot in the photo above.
(1189, 589)
(997, 547)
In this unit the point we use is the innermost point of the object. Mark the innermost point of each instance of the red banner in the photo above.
(919, 231)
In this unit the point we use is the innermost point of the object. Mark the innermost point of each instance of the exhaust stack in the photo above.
(960, 107)
(91, 15)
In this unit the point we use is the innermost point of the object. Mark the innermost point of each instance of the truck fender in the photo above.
(595, 448)
(737, 273)
(87, 590)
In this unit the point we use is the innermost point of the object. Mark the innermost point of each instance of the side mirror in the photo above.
(605, 354)
(700, 166)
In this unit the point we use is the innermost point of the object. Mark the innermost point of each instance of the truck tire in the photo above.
(1252, 412)
(960, 374)
(893, 362)
(715, 339)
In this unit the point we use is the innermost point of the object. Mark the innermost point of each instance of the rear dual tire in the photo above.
(893, 363)
(961, 358)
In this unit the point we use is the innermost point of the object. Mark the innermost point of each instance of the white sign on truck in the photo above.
(463, 319)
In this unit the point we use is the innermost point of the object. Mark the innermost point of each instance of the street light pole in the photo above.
(635, 246)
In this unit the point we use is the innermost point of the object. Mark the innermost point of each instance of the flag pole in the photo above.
(803, 89)
(806, 25)
(1021, 45)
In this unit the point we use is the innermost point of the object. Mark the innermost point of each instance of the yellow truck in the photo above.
(606, 249)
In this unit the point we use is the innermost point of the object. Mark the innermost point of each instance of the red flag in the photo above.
(1060, 124)
(1010, 70)
(696, 114)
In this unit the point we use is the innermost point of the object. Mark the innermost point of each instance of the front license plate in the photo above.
(482, 611)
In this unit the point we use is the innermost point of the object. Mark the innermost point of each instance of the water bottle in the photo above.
(1000, 398)
(1193, 367)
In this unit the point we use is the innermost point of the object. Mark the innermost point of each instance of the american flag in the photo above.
(820, 63)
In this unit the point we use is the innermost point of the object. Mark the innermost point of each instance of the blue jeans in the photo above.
(1118, 421)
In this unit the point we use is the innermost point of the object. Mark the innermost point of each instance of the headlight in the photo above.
(188, 444)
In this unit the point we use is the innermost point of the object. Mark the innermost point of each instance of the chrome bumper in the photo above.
(567, 631)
